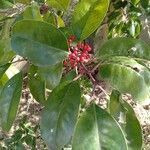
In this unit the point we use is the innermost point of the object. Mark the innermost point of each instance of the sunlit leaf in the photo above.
(125, 79)
(128, 120)
(60, 115)
(60, 5)
(124, 46)
(37, 85)
(9, 101)
(38, 41)
(96, 129)
(51, 75)
(87, 17)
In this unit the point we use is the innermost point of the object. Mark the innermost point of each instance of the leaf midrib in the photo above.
(97, 126)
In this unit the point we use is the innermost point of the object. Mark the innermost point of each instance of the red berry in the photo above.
(73, 55)
(82, 58)
(87, 56)
(87, 48)
(84, 54)
(78, 59)
(75, 52)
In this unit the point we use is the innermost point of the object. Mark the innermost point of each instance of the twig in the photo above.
(94, 81)
(19, 60)
(95, 67)
(76, 78)
(103, 90)
(88, 73)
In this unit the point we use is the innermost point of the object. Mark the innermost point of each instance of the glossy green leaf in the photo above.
(60, 115)
(38, 41)
(3, 81)
(140, 68)
(37, 85)
(54, 19)
(124, 46)
(97, 130)
(60, 5)
(115, 108)
(5, 4)
(134, 28)
(9, 101)
(51, 75)
(125, 79)
(135, 2)
(31, 12)
(68, 77)
(87, 17)
(3, 69)
(6, 52)
(60, 22)
(133, 129)
(50, 18)
(128, 120)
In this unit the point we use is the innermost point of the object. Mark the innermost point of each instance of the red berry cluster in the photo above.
(77, 52)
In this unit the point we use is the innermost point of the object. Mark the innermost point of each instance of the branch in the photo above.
(88, 73)
(19, 60)
(94, 81)
(77, 77)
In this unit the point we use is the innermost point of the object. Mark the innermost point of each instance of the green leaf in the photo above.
(9, 101)
(38, 41)
(96, 129)
(130, 124)
(135, 2)
(125, 79)
(3, 69)
(68, 77)
(51, 75)
(37, 85)
(115, 108)
(145, 3)
(137, 66)
(5, 4)
(124, 46)
(31, 12)
(3, 81)
(6, 52)
(50, 18)
(54, 19)
(133, 129)
(87, 17)
(60, 22)
(60, 115)
(60, 5)
(134, 28)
